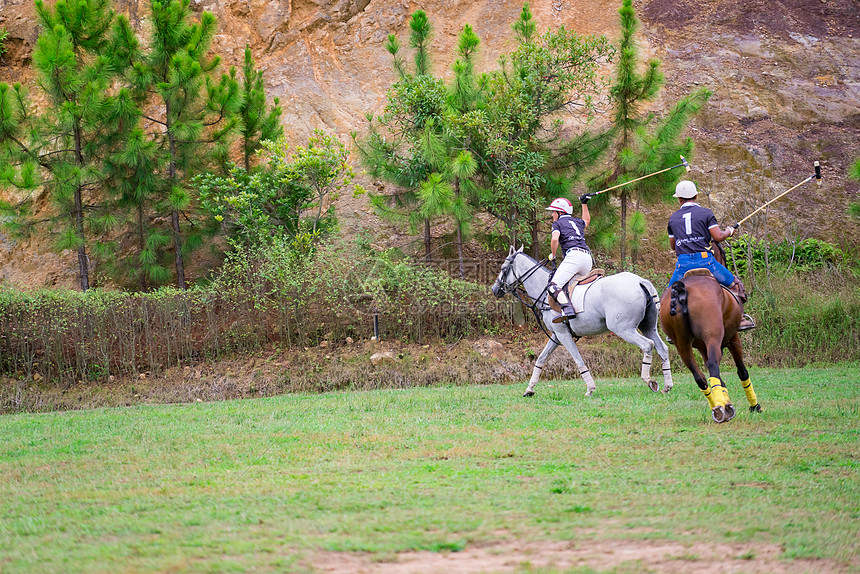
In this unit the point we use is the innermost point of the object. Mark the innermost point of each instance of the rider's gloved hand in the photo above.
(583, 199)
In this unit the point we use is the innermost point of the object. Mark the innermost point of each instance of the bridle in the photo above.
(538, 305)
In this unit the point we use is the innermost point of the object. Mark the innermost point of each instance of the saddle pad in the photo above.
(577, 296)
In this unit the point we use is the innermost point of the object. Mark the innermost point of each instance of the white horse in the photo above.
(625, 304)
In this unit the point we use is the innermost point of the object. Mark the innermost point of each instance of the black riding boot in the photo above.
(567, 312)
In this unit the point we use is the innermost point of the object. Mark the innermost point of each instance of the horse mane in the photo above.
(535, 262)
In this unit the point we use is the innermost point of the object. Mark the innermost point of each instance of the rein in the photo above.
(518, 290)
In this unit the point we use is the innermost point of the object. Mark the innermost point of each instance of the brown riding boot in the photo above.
(747, 323)
(740, 292)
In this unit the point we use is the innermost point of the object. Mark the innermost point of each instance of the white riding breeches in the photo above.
(575, 263)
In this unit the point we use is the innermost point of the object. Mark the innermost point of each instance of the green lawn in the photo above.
(263, 485)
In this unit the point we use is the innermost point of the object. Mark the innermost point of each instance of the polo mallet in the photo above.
(588, 196)
(816, 175)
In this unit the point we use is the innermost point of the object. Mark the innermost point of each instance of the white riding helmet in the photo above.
(686, 190)
(561, 205)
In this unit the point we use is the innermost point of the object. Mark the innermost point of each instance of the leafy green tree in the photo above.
(645, 143)
(510, 121)
(257, 123)
(69, 139)
(517, 135)
(292, 195)
(188, 111)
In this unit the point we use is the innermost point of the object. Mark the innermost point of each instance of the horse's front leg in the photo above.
(738, 355)
(567, 340)
(714, 395)
(539, 363)
(718, 387)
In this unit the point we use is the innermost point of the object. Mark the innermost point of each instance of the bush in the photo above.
(272, 295)
(805, 255)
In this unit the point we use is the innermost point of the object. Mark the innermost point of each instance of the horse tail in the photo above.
(649, 319)
(679, 299)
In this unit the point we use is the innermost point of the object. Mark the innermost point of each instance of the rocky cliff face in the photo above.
(785, 77)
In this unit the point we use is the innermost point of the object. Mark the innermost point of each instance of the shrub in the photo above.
(805, 255)
(272, 295)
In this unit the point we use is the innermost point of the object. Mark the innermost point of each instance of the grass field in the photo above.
(358, 481)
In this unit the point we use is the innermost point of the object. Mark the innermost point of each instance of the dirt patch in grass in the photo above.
(664, 557)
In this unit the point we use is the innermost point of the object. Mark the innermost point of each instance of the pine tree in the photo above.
(508, 121)
(464, 98)
(256, 124)
(416, 102)
(71, 135)
(523, 154)
(644, 143)
(190, 113)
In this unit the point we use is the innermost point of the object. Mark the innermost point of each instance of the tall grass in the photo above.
(805, 318)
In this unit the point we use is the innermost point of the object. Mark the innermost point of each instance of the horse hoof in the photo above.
(730, 412)
(652, 384)
(666, 389)
(756, 409)
(529, 394)
(718, 414)
(589, 392)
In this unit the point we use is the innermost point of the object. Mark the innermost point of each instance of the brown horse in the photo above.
(697, 312)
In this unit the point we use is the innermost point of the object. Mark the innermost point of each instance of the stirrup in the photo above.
(747, 323)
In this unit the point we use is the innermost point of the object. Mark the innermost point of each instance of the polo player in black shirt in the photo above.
(691, 229)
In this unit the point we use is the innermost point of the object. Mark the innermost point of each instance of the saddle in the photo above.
(576, 288)
(706, 273)
(694, 272)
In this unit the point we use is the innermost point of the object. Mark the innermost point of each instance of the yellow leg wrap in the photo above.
(748, 389)
(710, 396)
(718, 392)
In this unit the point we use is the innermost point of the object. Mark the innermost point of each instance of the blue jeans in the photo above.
(702, 260)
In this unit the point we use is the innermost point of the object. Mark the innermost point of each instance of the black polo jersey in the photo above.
(691, 227)
(572, 232)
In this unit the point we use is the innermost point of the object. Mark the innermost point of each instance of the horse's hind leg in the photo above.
(647, 345)
(663, 351)
(539, 363)
(737, 352)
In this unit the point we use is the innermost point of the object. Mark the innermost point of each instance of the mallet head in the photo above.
(686, 165)
(817, 173)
